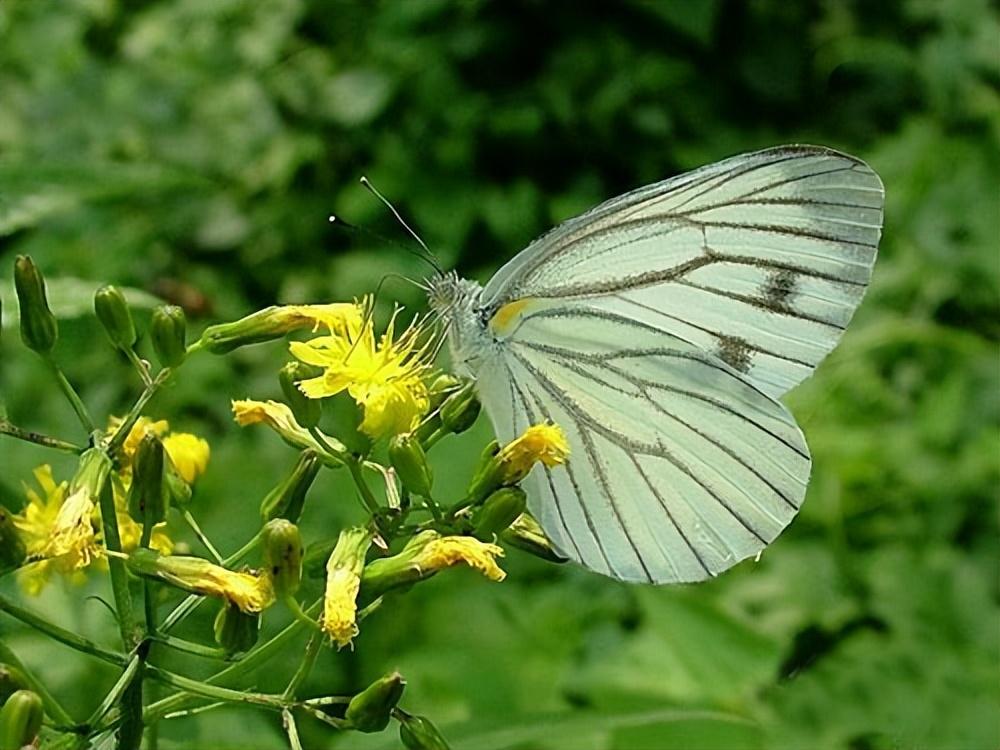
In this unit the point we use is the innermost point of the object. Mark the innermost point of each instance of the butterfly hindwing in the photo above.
(679, 465)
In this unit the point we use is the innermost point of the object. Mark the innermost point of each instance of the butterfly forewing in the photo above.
(760, 259)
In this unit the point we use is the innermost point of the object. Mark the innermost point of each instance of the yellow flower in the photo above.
(60, 530)
(188, 453)
(34, 524)
(423, 556)
(542, 442)
(343, 582)
(383, 376)
(136, 434)
(445, 551)
(73, 538)
(279, 418)
(248, 591)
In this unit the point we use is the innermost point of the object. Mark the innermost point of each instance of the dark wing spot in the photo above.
(735, 352)
(778, 290)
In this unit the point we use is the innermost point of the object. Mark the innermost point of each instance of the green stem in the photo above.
(6, 428)
(305, 666)
(53, 707)
(246, 665)
(61, 635)
(296, 609)
(148, 603)
(205, 541)
(288, 722)
(207, 690)
(434, 437)
(354, 466)
(139, 366)
(135, 663)
(136, 411)
(71, 395)
(190, 647)
(116, 567)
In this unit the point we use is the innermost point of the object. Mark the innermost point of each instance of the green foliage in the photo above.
(193, 150)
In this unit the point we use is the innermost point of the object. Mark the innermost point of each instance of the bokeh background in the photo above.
(192, 150)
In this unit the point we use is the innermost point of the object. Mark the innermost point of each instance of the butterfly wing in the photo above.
(760, 259)
(679, 465)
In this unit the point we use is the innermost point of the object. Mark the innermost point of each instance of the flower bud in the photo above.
(286, 500)
(168, 330)
(264, 325)
(498, 512)
(250, 592)
(527, 535)
(371, 709)
(407, 457)
(486, 476)
(343, 582)
(176, 491)
(442, 387)
(418, 733)
(147, 498)
(236, 631)
(20, 720)
(423, 556)
(39, 329)
(283, 556)
(12, 679)
(460, 410)
(306, 411)
(112, 310)
(12, 550)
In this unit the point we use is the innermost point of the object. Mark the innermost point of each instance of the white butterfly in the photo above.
(658, 330)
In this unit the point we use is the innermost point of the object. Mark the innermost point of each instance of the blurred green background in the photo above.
(194, 149)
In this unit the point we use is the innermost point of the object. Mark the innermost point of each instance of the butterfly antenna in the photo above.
(429, 256)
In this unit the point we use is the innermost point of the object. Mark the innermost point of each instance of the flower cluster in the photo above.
(134, 481)
(61, 529)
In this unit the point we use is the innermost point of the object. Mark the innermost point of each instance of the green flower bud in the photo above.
(168, 330)
(442, 387)
(147, 497)
(407, 457)
(370, 710)
(527, 535)
(12, 551)
(498, 512)
(487, 475)
(12, 679)
(236, 631)
(112, 310)
(418, 733)
(39, 329)
(177, 491)
(283, 556)
(460, 410)
(20, 720)
(306, 411)
(286, 500)
(264, 325)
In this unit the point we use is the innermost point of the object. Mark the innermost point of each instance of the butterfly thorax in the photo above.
(458, 303)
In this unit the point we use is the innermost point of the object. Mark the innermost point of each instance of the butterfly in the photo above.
(659, 331)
